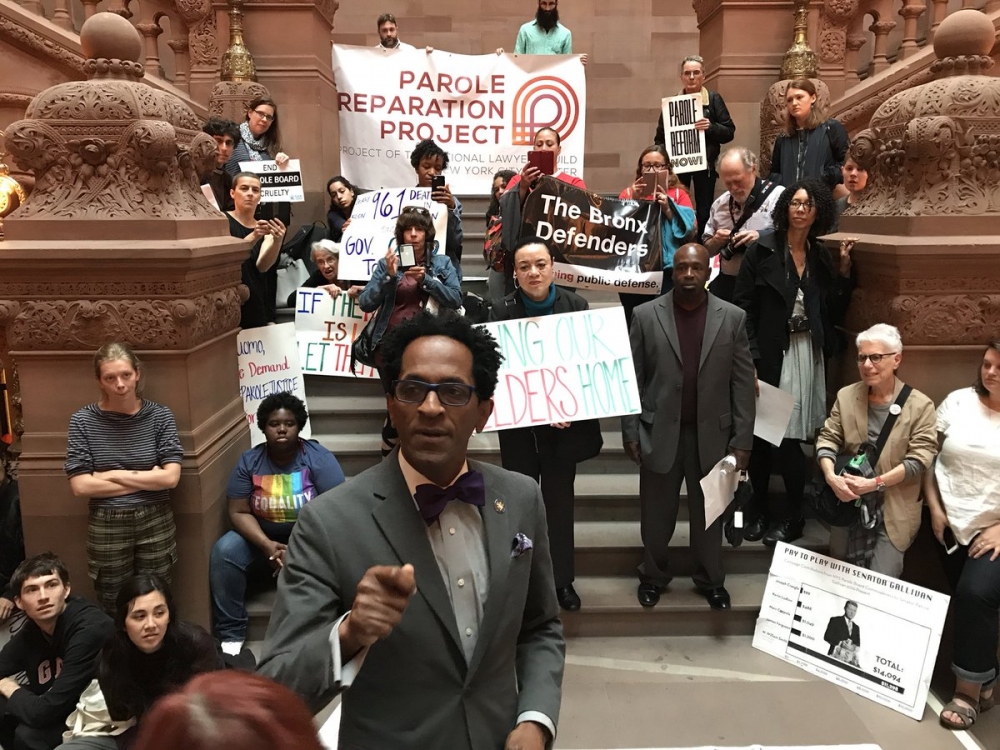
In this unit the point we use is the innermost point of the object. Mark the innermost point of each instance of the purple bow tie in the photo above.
(431, 499)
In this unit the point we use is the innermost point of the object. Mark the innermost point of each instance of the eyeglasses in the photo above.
(263, 115)
(654, 167)
(801, 205)
(415, 210)
(415, 391)
(874, 358)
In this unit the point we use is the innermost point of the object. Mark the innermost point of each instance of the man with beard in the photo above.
(718, 127)
(738, 217)
(388, 36)
(545, 35)
(696, 385)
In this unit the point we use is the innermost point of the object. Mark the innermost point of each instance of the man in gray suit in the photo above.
(696, 388)
(425, 584)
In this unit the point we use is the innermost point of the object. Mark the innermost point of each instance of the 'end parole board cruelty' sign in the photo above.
(563, 368)
(685, 143)
(277, 184)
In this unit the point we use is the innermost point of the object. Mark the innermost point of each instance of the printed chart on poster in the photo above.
(874, 635)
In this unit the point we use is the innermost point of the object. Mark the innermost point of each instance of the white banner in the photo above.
(373, 225)
(483, 110)
(563, 368)
(685, 143)
(325, 328)
(874, 635)
(269, 364)
(277, 184)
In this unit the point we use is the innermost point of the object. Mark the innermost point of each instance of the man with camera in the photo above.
(738, 216)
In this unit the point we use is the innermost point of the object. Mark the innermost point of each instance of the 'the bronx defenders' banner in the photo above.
(685, 143)
(269, 364)
(325, 328)
(563, 368)
(600, 243)
(482, 109)
(864, 631)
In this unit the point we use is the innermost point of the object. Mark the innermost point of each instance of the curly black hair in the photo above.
(822, 198)
(486, 356)
(428, 149)
(283, 400)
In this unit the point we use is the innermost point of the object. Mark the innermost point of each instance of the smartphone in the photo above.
(437, 182)
(407, 258)
(543, 161)
(950, 542)
(650, 181)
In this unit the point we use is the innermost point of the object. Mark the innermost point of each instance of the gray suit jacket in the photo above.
(415, 688)
(726, 400)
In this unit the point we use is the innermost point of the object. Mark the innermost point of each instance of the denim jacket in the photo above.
(440, 281)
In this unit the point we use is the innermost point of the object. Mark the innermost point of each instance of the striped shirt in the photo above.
(106, 440)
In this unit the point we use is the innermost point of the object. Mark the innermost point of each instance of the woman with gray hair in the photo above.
(326, 257)
(853, 428)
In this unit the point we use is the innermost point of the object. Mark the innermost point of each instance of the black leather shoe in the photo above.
(717, 598)
(784, 531)
(568, 598)
(755, 529)
(648, 594)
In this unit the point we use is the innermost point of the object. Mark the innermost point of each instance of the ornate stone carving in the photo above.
(230, 98)
(111, 147)
(832, 43)
(38, 44)
(840, 11)
(935, 148)
(952, 319)
(145, 324)
(204, 49)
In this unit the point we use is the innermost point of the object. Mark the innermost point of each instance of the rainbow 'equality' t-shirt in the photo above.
(278, 493)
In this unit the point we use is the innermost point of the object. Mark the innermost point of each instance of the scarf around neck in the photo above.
(257, 150)
(544, 307)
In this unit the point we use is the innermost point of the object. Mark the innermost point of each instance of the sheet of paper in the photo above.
(718, 487)
(774, 410)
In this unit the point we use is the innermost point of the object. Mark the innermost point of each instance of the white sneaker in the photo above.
(232, 648)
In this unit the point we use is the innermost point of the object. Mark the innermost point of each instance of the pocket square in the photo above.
(519, 545)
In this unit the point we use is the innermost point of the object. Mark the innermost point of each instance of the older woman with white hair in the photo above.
(326, 257)
(853, 427)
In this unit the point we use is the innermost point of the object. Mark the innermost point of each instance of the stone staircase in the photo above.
(346, 416)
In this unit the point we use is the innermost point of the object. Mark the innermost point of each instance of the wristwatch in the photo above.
(879, 484)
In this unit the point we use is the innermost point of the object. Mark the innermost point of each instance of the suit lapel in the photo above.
(665, 314)
(499, 535)
(713, 322)
(406, 532)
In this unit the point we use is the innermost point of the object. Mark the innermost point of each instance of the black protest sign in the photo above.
(599, 243)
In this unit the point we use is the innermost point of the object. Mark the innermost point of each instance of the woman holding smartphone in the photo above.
(963, 495)
(412, 276)
(656, 181)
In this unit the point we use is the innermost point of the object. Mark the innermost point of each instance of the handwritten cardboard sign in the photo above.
(325, 328)
(563, 368)
(269, 364)
(685, 143)
(373, 225)
(277, 184)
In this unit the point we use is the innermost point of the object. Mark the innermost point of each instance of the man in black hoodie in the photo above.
(47, 665)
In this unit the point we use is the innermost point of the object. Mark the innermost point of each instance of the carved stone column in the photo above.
(940, 11)
(61, 16)
(854, 44)
(881, 30)
(150, 32)
(928, 259)
(910, 12)
(116, 242)
(182, 62)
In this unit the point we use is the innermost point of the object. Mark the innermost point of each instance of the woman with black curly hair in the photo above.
(268, 488)
(793, 297)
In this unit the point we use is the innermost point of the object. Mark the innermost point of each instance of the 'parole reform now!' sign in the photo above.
(563, 368)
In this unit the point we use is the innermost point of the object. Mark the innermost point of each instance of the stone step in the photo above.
(610, 608)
